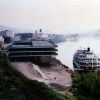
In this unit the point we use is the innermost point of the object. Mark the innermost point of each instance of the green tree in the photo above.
(87, 85)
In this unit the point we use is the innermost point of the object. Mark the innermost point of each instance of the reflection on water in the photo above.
(68, 48)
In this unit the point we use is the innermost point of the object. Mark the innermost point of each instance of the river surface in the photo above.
(68, 48)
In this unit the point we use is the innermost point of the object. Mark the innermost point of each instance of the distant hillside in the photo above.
(97, 33)
(2, 28)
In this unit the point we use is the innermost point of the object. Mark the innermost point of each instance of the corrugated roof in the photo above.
(41, 43)
(32, 44)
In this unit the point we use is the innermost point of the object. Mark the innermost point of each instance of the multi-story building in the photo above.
(38, 51)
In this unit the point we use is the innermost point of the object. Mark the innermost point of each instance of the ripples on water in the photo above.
(68, 48)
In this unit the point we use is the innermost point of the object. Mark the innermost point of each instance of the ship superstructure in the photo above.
(86, 60)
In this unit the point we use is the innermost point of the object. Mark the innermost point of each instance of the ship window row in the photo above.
(90, 63)
(88, 59)
(83, 62)
(91, 59)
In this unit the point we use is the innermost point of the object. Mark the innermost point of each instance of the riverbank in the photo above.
(15, 86)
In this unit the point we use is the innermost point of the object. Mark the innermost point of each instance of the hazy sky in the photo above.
(54, 15)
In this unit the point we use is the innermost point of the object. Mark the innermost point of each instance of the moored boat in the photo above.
(86, 60)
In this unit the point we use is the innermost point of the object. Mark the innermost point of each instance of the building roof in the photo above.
(33, 44)
(42, 43)
(31, 49)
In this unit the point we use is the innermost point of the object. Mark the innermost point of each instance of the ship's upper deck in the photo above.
(86, 55)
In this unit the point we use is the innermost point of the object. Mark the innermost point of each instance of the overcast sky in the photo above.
(54, 15)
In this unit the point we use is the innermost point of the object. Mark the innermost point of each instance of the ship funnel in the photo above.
(88, 49)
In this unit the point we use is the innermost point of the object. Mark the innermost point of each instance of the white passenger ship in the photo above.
(86, 60)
